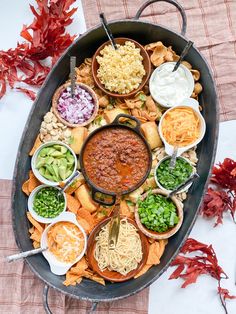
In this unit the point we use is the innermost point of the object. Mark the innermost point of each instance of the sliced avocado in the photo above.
(40, 162)
(62, 172)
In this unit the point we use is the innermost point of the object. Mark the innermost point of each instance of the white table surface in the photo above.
(166, 296)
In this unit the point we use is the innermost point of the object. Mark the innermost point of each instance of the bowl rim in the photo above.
(159, 184)
(91, 246)
(54, 263)
(189, 78)
(194, 105)
(31, 207)
(144, 79)
(36, 172)
(56, 95)
(169, 233)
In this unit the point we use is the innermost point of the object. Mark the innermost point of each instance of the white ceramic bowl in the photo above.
(57, 267)
(158, 183)
(188, 102)
(153, 89)
(36, 172)
(31, 207)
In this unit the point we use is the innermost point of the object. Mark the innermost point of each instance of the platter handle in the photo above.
(46, 306)
(175, 3)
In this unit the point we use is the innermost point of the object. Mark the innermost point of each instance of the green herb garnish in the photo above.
(157, 213)
(171, 178)
(48, 203)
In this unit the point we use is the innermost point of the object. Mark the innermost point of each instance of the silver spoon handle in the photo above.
(183, 54)
(15, 257)
(75, 175)
(72, 74)
(173, 158)
(183, 185)
(107, 30)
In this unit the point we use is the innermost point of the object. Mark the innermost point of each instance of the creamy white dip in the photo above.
(171, 88)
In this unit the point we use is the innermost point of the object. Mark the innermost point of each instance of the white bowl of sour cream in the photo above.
(169, 88)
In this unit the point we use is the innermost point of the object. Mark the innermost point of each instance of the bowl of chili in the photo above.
(115, 159)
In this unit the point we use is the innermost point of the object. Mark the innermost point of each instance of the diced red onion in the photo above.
(76, 110)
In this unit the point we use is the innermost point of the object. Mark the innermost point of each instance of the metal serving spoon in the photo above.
(15, 257)
(72, 75)
(183, 54)
(107, 30)
(173, 158)
(183, 185)
(114, 226)
(61, 190)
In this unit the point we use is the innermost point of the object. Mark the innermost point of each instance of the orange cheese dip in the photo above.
(181, 126)
(65, 241)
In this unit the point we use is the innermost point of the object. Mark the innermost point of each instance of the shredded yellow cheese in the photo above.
(181, 126)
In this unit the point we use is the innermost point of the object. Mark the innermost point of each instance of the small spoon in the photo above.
(114, 226)
(183, 54)
(183, 185)
(107, 30)
(61, 190)
(72, 75)
(15, 257)
(173, 158)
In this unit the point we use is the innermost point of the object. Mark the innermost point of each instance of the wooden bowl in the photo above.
(168, 233)
(108, 274)
(57, 95)
(146, 63)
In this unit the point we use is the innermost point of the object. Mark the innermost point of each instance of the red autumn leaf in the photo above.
(31, 94)
(217, 202)
(225, 293)
(224, 174)
(45, 37)
(190, 268)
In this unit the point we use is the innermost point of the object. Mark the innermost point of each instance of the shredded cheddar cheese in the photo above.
(181, 126)
(65, 241)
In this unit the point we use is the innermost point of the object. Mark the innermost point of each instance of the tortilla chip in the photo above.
(36, 235)
(31, 230)
(36, 224)
(25, 187)
(153, 254)
(124, 209)
(36, 244)
(85, 214)
(72, 203)
(143, 270)
(37, 143)
(79, 267)
(33, 181)
(162, 244)
(89, 274)
(71, 279)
